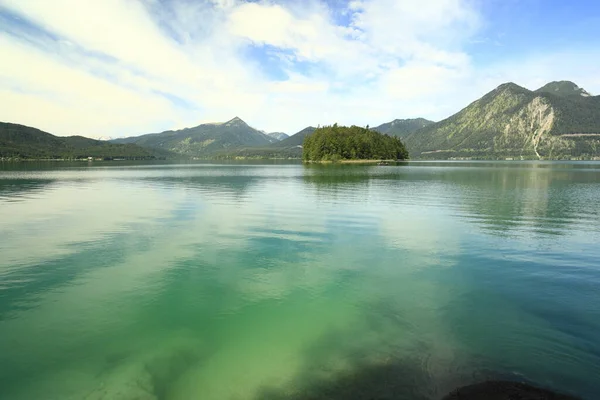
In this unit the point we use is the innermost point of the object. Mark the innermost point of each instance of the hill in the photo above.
(403, 127)
(204, 140)
(20, 141)
(336, 143)
(512, 121)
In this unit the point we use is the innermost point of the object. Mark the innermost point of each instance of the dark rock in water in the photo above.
(504, 390)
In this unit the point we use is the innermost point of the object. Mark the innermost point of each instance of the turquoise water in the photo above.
(282, 281)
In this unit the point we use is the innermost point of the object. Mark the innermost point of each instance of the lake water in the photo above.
(284, 281)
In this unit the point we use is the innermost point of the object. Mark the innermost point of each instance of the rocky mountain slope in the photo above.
(204, 140)
(403, 127)
(512, 121)
(20, 141)
(563, 89)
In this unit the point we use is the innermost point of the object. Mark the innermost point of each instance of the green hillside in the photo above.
(20, 141)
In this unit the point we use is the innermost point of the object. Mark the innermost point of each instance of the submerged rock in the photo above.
(149, 374)
(128, 382)
(504, 390)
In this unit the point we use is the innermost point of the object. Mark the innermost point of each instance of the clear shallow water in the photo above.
(286, 281)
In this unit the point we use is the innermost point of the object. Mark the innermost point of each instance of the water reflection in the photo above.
(223, 282)
(535, 199)
(20, 189)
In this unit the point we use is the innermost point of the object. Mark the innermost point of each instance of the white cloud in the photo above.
(391, 59)
(580, 65)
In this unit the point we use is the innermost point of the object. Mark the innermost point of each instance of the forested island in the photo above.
(341, 143)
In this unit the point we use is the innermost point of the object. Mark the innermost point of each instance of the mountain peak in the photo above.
(563, 89)
(512, 87)
(236, 121)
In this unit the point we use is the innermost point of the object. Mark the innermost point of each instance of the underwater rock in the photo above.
(504, 390)
(148, 375)
(127, 382)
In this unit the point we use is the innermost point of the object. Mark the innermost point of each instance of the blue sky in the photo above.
(127, 67)
(537, 26)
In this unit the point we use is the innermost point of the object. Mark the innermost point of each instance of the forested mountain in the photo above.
(204, 140)
(512, 121)
(20, 141)
(296, 139)
(333, 143)
(403, 127)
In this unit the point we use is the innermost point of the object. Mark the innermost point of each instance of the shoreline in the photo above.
(370, 161)
(75, 159)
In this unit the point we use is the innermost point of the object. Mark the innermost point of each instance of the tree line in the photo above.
(333, 143)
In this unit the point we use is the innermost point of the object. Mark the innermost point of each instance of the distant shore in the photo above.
(14, 159)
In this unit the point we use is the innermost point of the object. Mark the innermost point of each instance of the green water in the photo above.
(172, 282)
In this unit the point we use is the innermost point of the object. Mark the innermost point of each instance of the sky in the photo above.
(116, 68)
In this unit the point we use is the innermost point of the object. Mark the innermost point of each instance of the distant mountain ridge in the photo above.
(559, 120)
(295, 140)
(286, 148)
(20, 141)
(403, 127)
(203, 140)
(278, 135)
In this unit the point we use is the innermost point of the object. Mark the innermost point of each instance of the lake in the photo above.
(285, 281)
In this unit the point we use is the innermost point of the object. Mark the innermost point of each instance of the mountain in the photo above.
(512, 121)
(203, 140)
(403, 127)
(296, 139)
(563, 89)
(26, 142)
(286, 148)
(278, 135)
